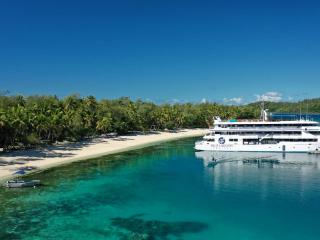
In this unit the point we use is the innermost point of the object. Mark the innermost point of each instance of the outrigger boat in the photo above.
(19, 183)
(22, 183)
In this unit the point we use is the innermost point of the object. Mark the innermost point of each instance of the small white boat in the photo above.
(22, 183)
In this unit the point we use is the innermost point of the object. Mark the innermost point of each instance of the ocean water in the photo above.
(169, 191)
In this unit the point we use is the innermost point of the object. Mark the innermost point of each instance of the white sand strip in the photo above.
(69, 152)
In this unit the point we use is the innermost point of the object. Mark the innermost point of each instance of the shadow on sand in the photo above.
(64, 149)
(51, 151)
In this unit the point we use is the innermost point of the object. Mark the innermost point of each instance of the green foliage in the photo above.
(104, 124)
(32, 139)
(29, 121)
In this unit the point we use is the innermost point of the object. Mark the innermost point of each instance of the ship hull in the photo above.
(279, 147)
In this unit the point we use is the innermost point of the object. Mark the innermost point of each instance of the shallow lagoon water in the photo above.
(170, 192)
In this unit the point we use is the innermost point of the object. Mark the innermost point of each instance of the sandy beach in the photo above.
(64, 153)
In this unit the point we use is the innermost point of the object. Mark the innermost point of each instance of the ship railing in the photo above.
(257, 128)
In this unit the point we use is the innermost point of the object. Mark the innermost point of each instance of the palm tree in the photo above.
(104, 124)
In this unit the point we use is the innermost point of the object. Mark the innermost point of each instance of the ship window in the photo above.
(250, 141)
(269, 141)
(274, 141)
(315, 132)
(298, 140)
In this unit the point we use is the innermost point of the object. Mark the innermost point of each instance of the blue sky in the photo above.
(175, 51)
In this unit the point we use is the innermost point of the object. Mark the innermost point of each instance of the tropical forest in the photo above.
(28, 121)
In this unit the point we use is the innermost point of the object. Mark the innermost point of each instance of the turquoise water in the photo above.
(169, 192)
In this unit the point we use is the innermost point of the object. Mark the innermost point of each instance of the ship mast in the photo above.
(264, 114)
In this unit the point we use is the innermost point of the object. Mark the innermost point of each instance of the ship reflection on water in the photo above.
(268, 175)
(213, 159)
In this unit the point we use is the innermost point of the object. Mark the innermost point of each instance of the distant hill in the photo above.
(306, 106)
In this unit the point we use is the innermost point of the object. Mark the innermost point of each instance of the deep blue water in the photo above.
(170, 192)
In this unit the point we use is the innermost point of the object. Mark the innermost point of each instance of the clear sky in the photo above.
(219, 50)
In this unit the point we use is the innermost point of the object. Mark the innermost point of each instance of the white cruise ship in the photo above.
(261, 136)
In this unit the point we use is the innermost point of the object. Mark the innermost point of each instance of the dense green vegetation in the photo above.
(33, 120)
(307, 106)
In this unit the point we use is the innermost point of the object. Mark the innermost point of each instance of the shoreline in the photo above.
(65, 153)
